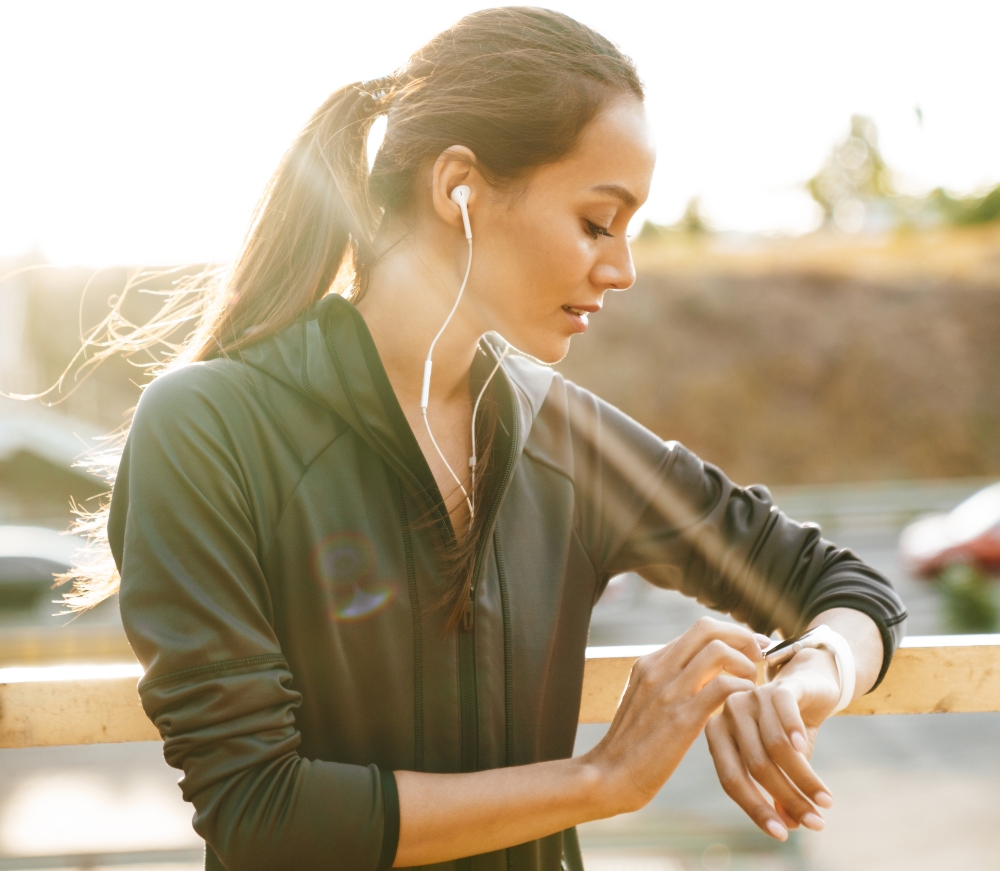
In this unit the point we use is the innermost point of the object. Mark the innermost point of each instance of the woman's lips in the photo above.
(578, 317)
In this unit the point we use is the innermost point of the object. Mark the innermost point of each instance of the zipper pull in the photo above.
(467, 616)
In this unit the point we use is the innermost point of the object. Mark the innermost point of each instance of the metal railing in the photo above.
(59, 705)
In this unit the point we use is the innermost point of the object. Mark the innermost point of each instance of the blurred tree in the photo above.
(691, 223)
(964, 211)
(970, 601)
(853, 176)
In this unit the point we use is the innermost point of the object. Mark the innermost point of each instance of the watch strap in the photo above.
(824, 636)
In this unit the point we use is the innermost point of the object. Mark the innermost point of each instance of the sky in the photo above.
(143, 132)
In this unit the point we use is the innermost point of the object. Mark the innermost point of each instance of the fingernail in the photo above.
(762, 640)
(798, 742)
(776, 830)
(823, 799)
(811, 821)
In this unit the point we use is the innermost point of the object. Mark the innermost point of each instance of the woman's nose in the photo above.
(617, 271)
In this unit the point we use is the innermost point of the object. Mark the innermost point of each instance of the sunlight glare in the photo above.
(55, 813)
(45, 673)
(132, 136)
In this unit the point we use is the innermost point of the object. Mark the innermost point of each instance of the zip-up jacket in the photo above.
(278, 533)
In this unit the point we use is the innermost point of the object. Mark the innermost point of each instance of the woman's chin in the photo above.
(546, 342)
(549, 350)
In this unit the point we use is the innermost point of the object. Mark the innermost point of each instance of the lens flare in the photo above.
(343, 565)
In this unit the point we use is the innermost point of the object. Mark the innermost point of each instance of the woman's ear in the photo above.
(455, 166)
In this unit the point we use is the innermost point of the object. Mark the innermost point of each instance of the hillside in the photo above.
(812, 360)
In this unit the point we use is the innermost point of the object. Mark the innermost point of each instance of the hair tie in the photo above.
(379, 89)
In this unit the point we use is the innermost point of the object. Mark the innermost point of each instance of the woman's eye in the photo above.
(595, 230)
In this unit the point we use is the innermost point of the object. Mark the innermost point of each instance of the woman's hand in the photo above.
(767, 735)
(670, 696)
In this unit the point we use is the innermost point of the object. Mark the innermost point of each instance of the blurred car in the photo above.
(29, 557)
(969, 533)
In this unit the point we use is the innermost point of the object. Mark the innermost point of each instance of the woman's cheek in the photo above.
(566, 261)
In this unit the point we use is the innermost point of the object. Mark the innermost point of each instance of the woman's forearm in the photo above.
(865, 640)
(446, 816)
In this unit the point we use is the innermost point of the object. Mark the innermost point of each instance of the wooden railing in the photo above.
(930, 674)
(56, 644)
(51, 705)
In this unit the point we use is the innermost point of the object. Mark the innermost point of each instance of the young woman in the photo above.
(362, 599)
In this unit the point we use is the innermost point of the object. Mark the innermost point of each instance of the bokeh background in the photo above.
(817, 309)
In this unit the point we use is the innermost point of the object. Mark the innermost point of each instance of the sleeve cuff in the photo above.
(390, 816)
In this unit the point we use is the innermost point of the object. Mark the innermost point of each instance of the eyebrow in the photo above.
(616, 190)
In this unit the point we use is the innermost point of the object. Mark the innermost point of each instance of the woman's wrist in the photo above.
(602, 798)
(815, 660)
(864, 639)
(815, 672)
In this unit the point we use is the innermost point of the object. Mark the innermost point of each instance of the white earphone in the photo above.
(460, 195)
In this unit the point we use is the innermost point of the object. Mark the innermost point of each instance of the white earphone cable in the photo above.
(429, 363)
(473, 459)
(465, 493)
(426, 387)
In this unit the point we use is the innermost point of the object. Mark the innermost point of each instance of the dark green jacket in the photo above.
(275, 522)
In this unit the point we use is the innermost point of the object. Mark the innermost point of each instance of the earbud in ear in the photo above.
(461, 196)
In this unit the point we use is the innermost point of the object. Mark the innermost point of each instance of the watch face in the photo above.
(777, 647)
(783, 650)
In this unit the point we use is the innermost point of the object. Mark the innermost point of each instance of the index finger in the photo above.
(706, 630)
(787, 707)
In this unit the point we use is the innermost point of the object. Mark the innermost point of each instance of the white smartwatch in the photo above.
(821, 636)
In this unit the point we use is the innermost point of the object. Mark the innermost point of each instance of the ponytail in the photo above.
(315, 210)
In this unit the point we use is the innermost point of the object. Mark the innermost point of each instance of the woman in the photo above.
(362, 607)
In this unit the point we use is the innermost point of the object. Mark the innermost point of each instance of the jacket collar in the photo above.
(329, 356)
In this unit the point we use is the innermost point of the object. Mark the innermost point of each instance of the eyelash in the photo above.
(593, 230)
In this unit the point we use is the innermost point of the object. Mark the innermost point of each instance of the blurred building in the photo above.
(45, 315)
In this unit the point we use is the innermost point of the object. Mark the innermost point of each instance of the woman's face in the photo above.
(546, 253)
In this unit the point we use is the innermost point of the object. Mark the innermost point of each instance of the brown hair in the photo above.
(516, 85)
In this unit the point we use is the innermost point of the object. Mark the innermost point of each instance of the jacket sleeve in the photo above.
(655, 508)
(197, 612)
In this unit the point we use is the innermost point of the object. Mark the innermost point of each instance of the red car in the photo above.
(969, 533)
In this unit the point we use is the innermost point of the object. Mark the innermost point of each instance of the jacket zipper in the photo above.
(468, 701)
(508, 653)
